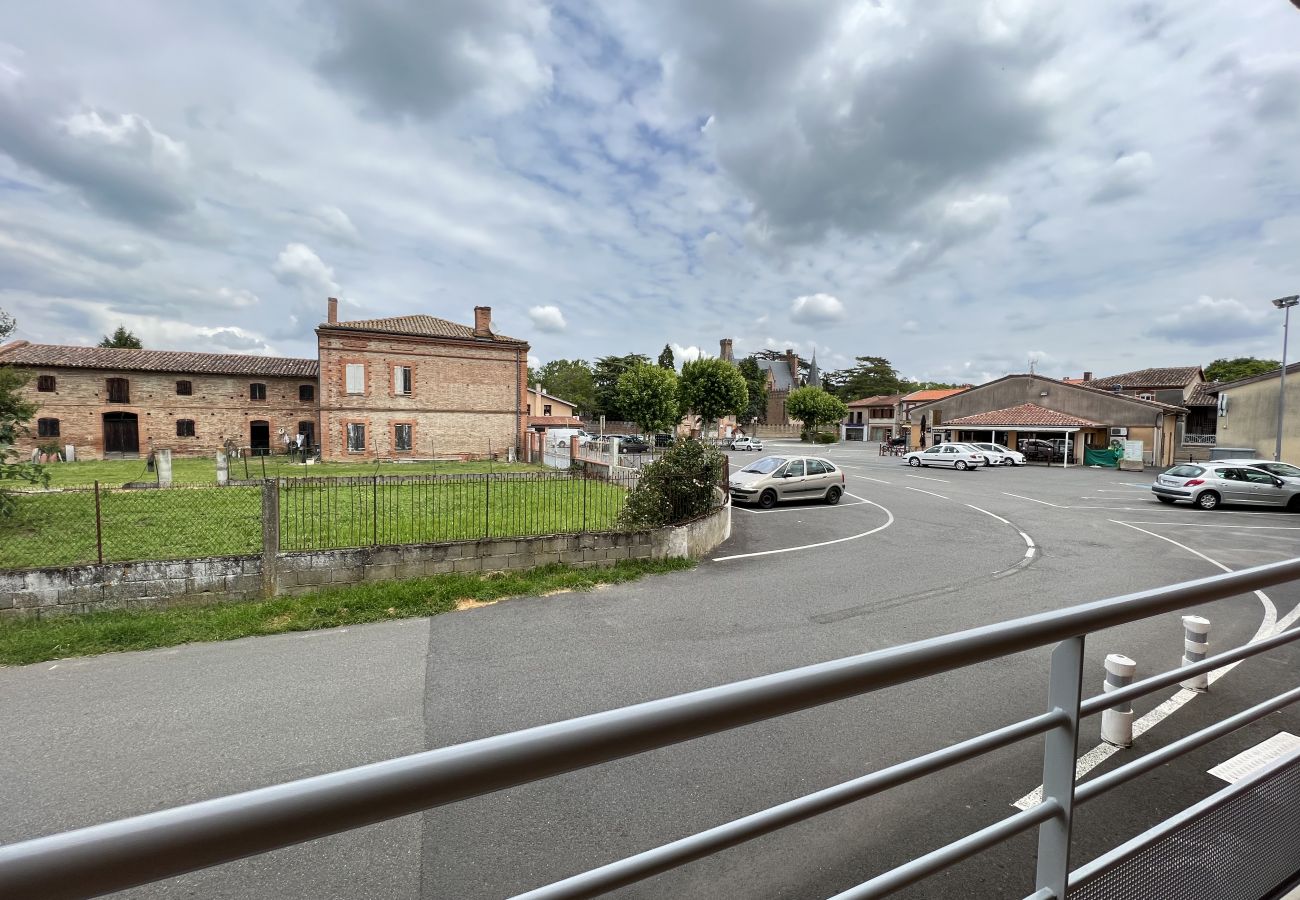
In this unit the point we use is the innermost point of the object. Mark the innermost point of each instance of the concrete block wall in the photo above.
(76, 589)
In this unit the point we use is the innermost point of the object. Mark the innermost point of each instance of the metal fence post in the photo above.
(1196, 646)
(1117, 722)
(584, 501)
(270, 534)
(487, 504)
(99, 528)
(1060, 746)
(374, 510)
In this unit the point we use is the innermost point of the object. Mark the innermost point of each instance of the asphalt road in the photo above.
(910, 554)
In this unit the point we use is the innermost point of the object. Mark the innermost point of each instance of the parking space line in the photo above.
(869, 478)
(852, 537)
(1240, 527)
(994, 515)
(920, 491)
(926, 478)
(790, 509)
(1032, 500)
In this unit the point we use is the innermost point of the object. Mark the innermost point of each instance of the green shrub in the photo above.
(677, 487)
(825, 437)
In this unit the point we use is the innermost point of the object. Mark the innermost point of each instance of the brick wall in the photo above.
(464, 396)
(219, 407)
(75, 589)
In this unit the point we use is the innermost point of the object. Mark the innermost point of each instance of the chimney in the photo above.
(1087, 376)
(726, 354)
(332, 316)
(792, 360)
(482, 321)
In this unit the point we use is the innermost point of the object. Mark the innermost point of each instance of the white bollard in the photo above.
(1117, 722)
(223, 468)
(1196, 646)
(163, 463)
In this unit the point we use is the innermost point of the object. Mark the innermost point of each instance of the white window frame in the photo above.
(354, 378)
(403, 380)
(355, 429)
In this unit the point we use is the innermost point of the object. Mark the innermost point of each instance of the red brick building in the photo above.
(405, 387)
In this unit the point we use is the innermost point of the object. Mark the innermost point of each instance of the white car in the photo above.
(954, 456)
(746, 443)
(1001, 456)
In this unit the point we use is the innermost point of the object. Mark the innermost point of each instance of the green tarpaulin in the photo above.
(1105, 457)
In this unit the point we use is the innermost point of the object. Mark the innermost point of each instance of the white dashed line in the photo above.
(920, 491)
(1032, 500)
(926, 478)
(994, 515)
(853, 537)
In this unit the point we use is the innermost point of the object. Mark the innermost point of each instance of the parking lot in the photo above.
(906, 554)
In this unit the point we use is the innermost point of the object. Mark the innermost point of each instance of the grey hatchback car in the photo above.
(778, 479)
(1208, 485)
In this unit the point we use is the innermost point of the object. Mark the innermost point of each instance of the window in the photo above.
(815, 467)
(47, 427)
(401, 437)
(257, 391)
(546, 409)
(45, 384)
(356, 437)
(401, 379)
(795, 469)
(306, 392)
(184, 388)
(185, 428)
(1146, 396)
(119, 390)
(308, 431)
(355, 378)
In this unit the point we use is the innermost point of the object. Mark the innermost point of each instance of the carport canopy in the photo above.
(1025, 417)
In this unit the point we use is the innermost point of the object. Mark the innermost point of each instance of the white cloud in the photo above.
(534, 362)
(816, 309)
(547, 319)
(299, 266)
(686, 354)
(335, 221)
(1210, 321)
(1126, 176)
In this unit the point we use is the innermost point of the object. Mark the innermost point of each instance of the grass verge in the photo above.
(24, 641)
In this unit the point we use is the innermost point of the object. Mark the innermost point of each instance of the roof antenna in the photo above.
(1031, 365)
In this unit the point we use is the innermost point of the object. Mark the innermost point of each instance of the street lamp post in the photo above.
(1283, 303)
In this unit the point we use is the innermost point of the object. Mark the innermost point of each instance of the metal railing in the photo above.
(1200, 439)
(117, 855)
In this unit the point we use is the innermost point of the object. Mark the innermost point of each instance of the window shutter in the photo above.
(356, 378)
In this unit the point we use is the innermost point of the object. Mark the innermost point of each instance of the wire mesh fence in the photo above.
(327, 513)
(74, 526)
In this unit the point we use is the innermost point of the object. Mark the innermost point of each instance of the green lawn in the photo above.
(57, 528)
(203, 470)
(24, 641)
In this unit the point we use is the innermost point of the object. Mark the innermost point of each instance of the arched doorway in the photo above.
(121, 435)
(259, 438)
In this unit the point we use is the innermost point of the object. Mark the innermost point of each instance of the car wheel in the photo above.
(767, 499)
(1293, 505)
(961, 465)
(1208, 500)
(833, 496)
(1008, 461)
(1165, 499)
(914, 462)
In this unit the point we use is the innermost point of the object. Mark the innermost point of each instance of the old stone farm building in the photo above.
(402, 387)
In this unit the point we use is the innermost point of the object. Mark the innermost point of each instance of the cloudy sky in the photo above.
(958, 185)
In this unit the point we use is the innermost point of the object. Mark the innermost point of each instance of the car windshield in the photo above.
(1277, 468)
(765, 466)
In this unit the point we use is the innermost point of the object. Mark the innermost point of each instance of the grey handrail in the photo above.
(117, 855)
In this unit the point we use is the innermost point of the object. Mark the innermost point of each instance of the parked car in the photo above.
(1280, 469)
(1041, 451)
(559, 437)
(954, 456)
(998, 455)
(746, 443)
(779, 479)
(633, 443)
(1212, 484)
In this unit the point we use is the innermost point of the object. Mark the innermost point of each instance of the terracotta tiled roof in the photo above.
(1149, 378)
(21, 353)
(1024, 415)
(420, 326)
(1205, 394)
(881, 400)
(931, 394)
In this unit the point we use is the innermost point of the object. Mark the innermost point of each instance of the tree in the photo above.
(571, 380)
(756, 385)
(1241, 367)
(122, 340)
(712, 389)
(608, 370)
(666, 358)
(814, 407)
(648, 396)
(873, 376)
(15, 413)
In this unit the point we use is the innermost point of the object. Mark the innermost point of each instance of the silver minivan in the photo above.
(779, 479)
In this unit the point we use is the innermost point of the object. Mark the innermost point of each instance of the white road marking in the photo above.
(1032, 500)
(926, 478)
(764, 512)
(852, 537)
(994, 515)
(920, 491)
(869, 478)
(1029, 542)
(1102, 752)
(1238, 527)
